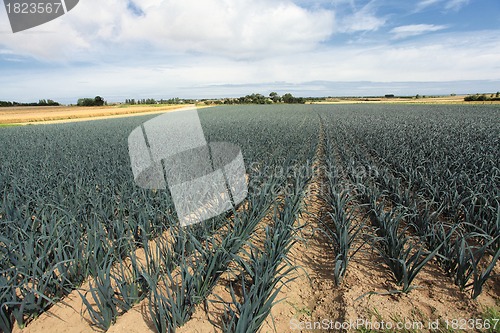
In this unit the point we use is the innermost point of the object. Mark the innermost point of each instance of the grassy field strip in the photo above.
(71, 114)
(441, 100)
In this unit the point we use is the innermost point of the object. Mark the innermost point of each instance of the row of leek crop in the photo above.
(466, 246)
(263, 270)
(338, 222)
(181, 273)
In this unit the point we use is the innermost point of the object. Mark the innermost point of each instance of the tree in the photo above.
(275, 97)
(476, 97)
(288, 98)
(5, 104)
(258, 98)
(85, 102)
(98, 101)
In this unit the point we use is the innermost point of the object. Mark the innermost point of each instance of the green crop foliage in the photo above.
(69, 208)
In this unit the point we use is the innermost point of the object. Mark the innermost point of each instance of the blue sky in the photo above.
(214, 48)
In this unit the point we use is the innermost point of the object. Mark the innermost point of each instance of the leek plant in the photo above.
(131, 286)
(264, 270)
(259, 283)
(6, 315)
(468, 262)
(404, 258)
(171, 299)
(102, 293)
(341, 230)
(200, 262)
(480, 277)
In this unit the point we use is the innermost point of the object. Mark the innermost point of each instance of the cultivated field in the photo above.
(368, 218)
(457, 99)
(55, 114)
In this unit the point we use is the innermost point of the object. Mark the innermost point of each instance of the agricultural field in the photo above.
(58, 114)
(356, 213)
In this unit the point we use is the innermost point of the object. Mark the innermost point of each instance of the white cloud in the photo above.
(447, 4)
(177, 48)
(364, 19)
(426, 3)
(242, 28)
(238, 28)
(415, 30)
(456, 4)
(448, 57)
(72, 37)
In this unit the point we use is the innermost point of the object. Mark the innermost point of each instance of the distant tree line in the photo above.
(42, 102)
(96, 101)
(482, 97)
(175, 100)
(260, 99)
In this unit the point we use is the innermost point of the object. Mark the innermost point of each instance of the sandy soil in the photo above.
(311, 297)
(56, 114)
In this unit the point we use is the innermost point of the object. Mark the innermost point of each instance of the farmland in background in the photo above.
(57, 114)
(411, 192)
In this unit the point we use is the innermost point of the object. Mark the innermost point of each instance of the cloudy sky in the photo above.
(214, 48)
